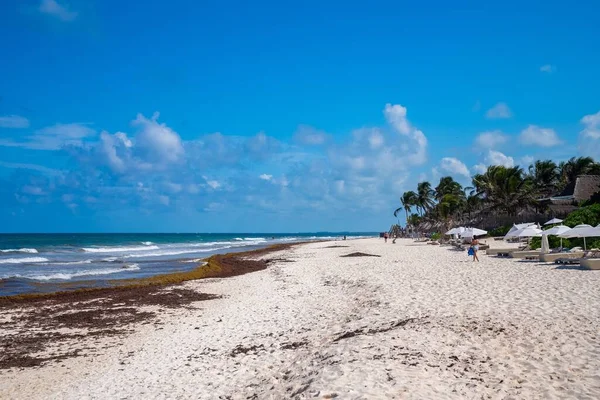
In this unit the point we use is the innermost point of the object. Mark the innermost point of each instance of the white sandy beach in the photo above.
(418, 322)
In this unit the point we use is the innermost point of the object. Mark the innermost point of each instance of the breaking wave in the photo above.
(30, 251)
(118, 249)
(90, 272)
(23, 260)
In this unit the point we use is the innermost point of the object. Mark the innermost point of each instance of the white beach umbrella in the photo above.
(557, 231)
(580, 231)
(472, 232)
(554, 221)
(591, 232)
(545, 244)
(512, 233)
(529, 231)
(455, 231)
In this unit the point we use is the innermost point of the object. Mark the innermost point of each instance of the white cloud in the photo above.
(454, 166)
(479, 168)
(589, 137)
(213, 184)
(158, 142)
(172, 187)
(592, 126)
(357, 162)
(491, 139)
(51, 7)
(376, 139)
(526, 161)
(310, 136)
(33, 190)
(261, 146)
(536, 136)
(214, 207)
(364, 170)
(499, 111)
(33, 167)
(548, 68)
(193, 188)
(396, 117)
(53, 137)
(113, 148)
(371, 137)
(497, 158)
(14, 121)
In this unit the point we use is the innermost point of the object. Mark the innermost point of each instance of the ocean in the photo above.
(38, 263)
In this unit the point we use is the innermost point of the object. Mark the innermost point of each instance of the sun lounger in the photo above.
(591, 263)
(495, 252)
(552, 257)
(569, 261)
(587, 256)
(524, 254)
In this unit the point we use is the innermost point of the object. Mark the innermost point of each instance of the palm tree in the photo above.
(425, 196)
(448, 207)
(571, 169)
(446, 186)
(414, 219)
(472, 201)
(505, 189)
(408, 200)
(545, 177)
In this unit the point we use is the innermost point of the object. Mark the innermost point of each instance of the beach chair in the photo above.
(500, 252)
(552, 257)
(591, 263)
(575, 261)
(525, 254)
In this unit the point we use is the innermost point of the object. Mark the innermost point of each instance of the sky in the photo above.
(270, 116)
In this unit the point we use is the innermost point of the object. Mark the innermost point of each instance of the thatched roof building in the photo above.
(577, 192)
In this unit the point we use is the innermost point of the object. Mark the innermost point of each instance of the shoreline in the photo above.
(100, 311)
(214, 266)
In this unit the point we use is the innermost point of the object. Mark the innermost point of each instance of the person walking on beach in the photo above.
(385, 237)
(475, 248)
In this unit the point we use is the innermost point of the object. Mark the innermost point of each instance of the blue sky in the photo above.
(265, 116)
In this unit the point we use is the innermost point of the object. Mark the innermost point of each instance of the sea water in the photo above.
(31, 263)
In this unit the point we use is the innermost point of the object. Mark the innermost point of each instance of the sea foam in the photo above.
(30, 251)
(23, 260)
(90, 272)
(118, 249)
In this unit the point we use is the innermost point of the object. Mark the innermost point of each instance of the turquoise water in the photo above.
(32, 263)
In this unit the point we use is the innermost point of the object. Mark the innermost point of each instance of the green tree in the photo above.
(425, 196)
(448, 207)
(545, 177)
(446, 186)
(570, 170)
(505, 189)
(408, 200)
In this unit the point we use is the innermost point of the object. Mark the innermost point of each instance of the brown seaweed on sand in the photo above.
(359, 254)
